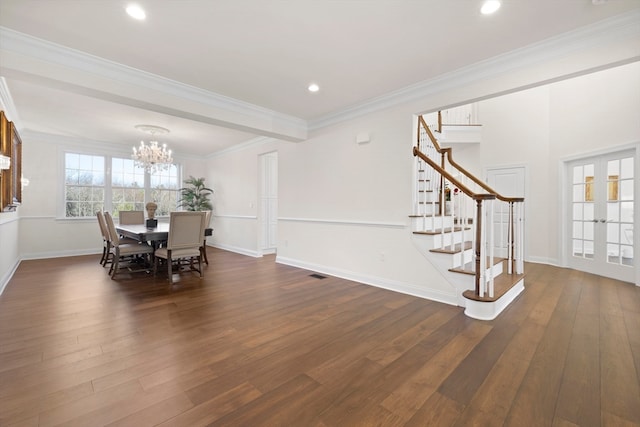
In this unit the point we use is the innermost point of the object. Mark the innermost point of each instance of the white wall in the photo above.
(233, 176)
(343, 208)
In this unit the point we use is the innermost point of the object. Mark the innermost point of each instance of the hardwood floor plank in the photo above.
(269, 408)
(579, 396)
(439, 410)
(535, 401)
(67, 412)
(472, 371)
(412, 394)
(262, 344)
(491, 403)
(619, 396)
(155, 414)
(213, 409)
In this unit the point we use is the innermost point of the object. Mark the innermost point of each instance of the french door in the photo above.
(601, 215)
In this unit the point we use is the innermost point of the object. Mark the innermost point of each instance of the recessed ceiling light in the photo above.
(313, 87)
(489, 7)
(136, 12)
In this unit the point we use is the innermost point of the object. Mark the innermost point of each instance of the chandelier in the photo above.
(152, 157)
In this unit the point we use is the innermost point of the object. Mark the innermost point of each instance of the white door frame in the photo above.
(563, 195)
(487, 170)
(267, 213)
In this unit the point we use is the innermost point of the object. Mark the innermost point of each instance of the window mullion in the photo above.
(108, 199)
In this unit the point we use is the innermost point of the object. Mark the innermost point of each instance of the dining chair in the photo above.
(207, 220)
(120, 250)
(131, 217)
(106, 244)
(106, 239)
(184, 242)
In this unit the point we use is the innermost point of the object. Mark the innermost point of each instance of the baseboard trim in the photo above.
(239, 250)
(7, 277)
(44, 255)
(378, 282)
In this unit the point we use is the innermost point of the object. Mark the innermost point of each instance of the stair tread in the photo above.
(439, 231)
(501, 285)
(425, 216)
(458, 247)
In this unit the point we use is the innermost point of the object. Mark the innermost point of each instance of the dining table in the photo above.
(143, 233)
(154, 235)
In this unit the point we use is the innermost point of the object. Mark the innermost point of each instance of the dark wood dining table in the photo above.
(155, 235)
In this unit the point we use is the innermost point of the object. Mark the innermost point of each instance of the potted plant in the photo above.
(195, 196)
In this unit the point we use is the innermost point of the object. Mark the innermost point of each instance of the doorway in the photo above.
(268, 202)
(600, 215)
(509, 182)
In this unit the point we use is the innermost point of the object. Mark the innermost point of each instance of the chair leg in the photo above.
(114, 266)
(105, 253)
(203, 249)
(169, 269)
(200, 266)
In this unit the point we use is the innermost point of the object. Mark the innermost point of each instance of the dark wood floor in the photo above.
(260, 344)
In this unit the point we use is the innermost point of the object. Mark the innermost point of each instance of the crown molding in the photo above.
(261, 140)
(43, 50)
(606, 31)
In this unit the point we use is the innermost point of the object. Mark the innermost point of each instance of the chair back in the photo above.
(131, 217)
(186, 230)
(111, 228)
(103, 226)
(207, 218)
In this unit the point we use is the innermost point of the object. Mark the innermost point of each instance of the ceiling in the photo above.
(239, 69)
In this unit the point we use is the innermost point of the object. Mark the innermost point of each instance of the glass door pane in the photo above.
(620, 190)
(583, 190)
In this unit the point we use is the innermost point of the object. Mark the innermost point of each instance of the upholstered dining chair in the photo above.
(131, 217)
(186, 231)
(207, 220)
(120, 250)
(106, 239)
(106, 244)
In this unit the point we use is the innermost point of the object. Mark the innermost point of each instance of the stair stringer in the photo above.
(443, 262)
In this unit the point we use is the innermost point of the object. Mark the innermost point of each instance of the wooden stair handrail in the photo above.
(466, 190)
(448, 153)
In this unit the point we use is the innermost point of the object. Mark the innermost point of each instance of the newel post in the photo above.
(479, 243)
(511, 243)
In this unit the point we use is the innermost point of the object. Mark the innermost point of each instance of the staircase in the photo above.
(471, 233)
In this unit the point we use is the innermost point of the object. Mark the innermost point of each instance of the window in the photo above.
(84, 184)
(127, 186)
(91, 186)
(164, 190)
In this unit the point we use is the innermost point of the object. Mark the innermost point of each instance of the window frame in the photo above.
(108, 189)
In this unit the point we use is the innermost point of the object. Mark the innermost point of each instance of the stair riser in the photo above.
(447, 239)
(430, 223)
(461, 258)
